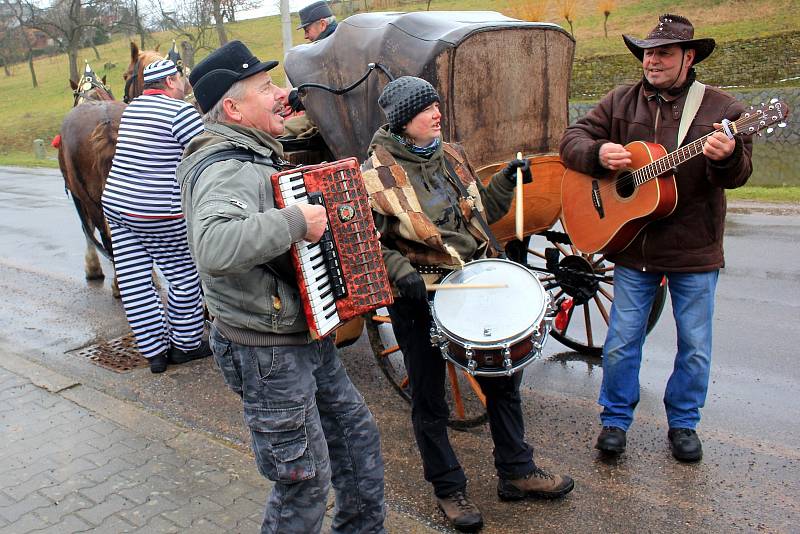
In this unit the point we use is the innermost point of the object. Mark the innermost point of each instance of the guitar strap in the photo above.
(693, 100)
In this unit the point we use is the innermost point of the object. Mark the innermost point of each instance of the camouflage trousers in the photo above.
(311, 429)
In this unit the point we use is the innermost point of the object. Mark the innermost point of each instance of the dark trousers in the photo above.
(513, 457)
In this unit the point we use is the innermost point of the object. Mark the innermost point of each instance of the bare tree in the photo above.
(68, 22)
(18, 30)
(190, 23)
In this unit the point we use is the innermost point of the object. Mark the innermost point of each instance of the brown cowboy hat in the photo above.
(671, 29)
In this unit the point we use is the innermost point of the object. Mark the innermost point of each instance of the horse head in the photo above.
(134, 74)
(89, 87)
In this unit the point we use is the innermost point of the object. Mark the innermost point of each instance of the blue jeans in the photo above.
(693, 308)
(311, 429)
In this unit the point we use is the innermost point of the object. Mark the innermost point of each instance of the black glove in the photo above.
(295, 102)
(412, 287)
(510, 172)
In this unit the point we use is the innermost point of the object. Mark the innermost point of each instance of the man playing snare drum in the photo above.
(442, 237)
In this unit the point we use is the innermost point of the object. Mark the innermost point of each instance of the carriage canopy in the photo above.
(504, 83)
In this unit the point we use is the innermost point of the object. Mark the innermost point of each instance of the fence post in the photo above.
(38, 149)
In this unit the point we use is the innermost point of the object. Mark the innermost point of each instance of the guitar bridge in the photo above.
(596, 200)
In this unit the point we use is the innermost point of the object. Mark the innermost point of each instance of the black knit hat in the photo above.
(314, 12)
(402, 99)
(228, 64)
(670, 30)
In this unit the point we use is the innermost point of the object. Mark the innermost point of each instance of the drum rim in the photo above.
(507, 342)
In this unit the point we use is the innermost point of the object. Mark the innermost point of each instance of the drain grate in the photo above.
(119, 355)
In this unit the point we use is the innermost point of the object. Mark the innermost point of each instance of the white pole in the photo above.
(286, 26)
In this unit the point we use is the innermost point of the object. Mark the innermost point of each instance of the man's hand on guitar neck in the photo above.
(614, 157)
(718, 146)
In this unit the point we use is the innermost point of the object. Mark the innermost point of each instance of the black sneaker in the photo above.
(158, 363)
(461, 512)
(611, 440)
(685, 444)
(178, 356)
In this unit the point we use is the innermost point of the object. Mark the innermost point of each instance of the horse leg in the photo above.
(94, 271)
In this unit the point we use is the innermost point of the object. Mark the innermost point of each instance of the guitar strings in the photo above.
(647, 172)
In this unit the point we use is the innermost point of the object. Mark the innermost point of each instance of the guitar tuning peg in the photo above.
(782, 125)
(770, 130)
(773, 100)
(762, 104)
(759, 134)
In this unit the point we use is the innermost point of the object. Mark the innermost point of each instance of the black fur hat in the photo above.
(228, 64)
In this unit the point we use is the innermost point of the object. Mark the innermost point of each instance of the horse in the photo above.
(86, 147)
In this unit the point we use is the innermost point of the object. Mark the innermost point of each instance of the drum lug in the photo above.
(472, 365)
(507, 363)
(437, 339)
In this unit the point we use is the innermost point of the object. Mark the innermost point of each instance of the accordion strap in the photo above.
(240, 154)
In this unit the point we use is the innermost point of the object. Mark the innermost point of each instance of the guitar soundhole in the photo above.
(624, 184)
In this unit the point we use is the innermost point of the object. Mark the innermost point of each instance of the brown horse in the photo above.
(86, 148)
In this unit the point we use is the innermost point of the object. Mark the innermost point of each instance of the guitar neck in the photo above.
(666, 163)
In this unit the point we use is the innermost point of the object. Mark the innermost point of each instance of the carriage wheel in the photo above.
(586, 282)
(464, 396)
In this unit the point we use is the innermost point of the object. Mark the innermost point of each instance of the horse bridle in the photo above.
(82, 91)
(131, 82)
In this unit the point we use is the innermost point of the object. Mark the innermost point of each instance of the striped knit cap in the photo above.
(159, 69)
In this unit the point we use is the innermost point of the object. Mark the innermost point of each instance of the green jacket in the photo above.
(439, 200)
(239, 240)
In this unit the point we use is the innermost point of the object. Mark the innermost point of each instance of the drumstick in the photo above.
(519, 200)
(437, 287)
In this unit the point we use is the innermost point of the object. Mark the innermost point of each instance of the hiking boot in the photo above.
(538, 484)
(461, 512)
(158, 363)
(685, 444)
(611, 440)
(178, 356)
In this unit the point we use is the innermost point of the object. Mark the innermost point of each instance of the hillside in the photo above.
(36, 113)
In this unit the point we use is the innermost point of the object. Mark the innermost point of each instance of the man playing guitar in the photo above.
(684, 244)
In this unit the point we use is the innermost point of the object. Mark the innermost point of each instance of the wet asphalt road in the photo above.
(748, 481)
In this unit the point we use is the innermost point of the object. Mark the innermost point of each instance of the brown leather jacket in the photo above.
(690, 239)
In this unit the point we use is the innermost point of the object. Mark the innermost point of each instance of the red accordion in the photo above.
(342, 276)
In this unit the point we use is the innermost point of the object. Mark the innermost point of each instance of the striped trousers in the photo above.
(139, 243)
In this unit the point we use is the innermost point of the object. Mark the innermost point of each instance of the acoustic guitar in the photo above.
(606, 214)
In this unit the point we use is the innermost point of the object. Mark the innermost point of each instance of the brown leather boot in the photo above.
(461, 512)
(537, 485)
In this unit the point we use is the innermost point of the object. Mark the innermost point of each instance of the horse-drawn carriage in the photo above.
(504, 85)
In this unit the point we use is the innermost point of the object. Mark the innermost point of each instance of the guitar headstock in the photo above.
(765, 116)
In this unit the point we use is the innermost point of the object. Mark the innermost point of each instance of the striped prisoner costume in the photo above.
(141, 202)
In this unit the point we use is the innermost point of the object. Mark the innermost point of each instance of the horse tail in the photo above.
(103, 141)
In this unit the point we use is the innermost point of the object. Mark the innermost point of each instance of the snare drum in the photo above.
(492, 331)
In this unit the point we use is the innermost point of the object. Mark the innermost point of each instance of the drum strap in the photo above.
(475, 213)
